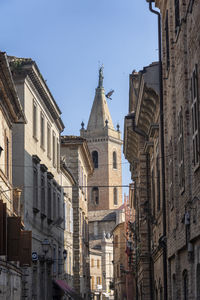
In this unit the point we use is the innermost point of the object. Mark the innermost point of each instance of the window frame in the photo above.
(114, 160)
(180, 146)
(195, 118)
(115, 196)
(95, 159)
(95, 196)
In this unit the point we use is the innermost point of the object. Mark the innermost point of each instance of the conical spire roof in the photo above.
(100, 115)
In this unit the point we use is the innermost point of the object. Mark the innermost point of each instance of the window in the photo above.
(42, 194)
(198, 281)
(42, 130)
(95, 195)
(98, 280)
(7, 156)
(95, 159)
(174, 288)
(177, 15)
(48, 141)
(114, 160)
(49, 210)
(85, 189)
(54, 150)
(34, 120)
(35, 187)
(158, 182)
(195, 117)
(185, 285)
(171, 175)
(58, 205)
(98, 264)
(167, 41)
(92, 262)
(59, 261)
(54, 259)
(58, 155)
(92, 283)
(115, 196)
(54, 205)
(153, 191)
(71, 219)
(181, 151)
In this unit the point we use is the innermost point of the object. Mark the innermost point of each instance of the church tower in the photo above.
(105, 192)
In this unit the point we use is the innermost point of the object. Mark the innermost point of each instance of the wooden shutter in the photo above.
(13, 238)
(3, 228)
(25, 248)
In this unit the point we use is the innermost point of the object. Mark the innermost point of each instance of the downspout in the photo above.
(162, 152)
(151, 270)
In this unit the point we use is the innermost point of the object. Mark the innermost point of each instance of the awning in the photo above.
(67, 289)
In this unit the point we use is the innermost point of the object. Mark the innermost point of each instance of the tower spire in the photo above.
(101, 77)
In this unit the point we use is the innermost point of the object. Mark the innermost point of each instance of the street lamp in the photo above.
(45, 245)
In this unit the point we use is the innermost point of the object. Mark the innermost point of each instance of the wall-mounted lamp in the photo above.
(45, 245)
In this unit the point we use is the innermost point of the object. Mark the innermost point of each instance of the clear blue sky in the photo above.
(68, 39)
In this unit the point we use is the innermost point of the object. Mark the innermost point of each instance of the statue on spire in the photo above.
(100, 77)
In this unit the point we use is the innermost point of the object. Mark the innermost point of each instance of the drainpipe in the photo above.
(162, 152)
(151, 270)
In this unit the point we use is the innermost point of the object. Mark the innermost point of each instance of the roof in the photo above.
(102, 215)
(100, 113)
(23, 67)
(12, 104)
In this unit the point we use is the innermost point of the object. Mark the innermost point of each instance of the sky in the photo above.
(70, 39)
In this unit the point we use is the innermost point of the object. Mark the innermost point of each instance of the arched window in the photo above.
(198, 281)
(95, 195)
(95, 159)
(114, 160)
(185, 285)
(115, 196)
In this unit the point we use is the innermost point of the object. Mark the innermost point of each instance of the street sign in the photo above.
(34, 256)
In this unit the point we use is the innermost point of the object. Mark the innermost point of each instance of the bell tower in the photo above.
(104, 141)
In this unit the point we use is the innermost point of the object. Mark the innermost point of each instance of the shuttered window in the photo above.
(195, 117)
(25, 248)
(13, 238)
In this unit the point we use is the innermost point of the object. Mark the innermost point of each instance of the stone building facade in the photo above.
(75, 152)
(181, 90)
(119, 261)
(96, 274)
(104, 191)
(67, 182)
(170, 209)
(142, 149)
(11, 234)
(37, 172)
